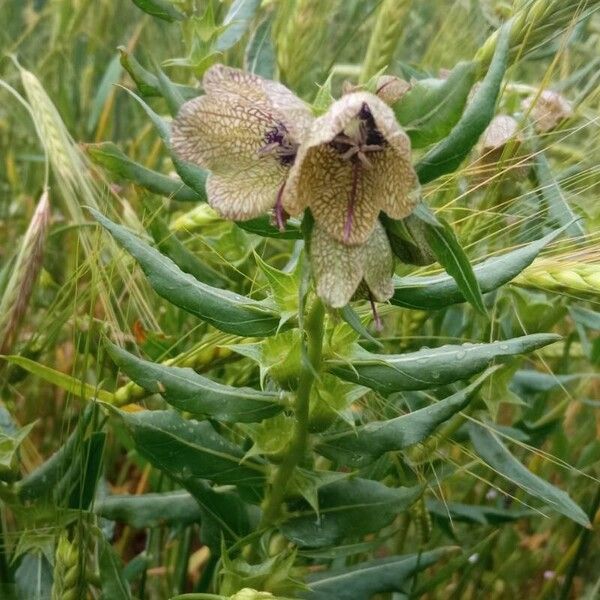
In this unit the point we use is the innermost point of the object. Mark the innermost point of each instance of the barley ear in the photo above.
(28, 264)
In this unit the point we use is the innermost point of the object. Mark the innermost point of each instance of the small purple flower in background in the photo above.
(354, 163)
(245, 130)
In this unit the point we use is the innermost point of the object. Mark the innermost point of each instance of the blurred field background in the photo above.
(61, 90)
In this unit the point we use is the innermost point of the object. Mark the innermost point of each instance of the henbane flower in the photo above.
(354, 163)
(245, 130)
(340, 270)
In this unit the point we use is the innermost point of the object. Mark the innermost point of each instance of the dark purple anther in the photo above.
(277, 142)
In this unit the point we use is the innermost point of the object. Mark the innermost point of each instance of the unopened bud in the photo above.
(547, 109)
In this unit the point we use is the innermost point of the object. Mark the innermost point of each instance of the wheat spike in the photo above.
(568, 277)
(534, 24)
(391, 17)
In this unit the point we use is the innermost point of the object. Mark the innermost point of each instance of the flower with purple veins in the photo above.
(354, 163)
(246, 131)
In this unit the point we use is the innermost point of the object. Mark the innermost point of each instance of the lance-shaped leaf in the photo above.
(452, 257)
(259, 57)
(475, 513)
(189, 449)
(363, 445)
(348, 508)
(147, 82)
(70, 384)
(361, 582)
(188, 391)
(161, 9)
(449, 153)
(439, 291)
(114, 160)
(42, 481)
(430, 109)
(192, 175)
(149, 510)
(236, 21)
(114, 584)
(223, 309)
(262, 226)
(427, 368)
(559, 209)
(168, 243)
(224, 515)
(493, 452)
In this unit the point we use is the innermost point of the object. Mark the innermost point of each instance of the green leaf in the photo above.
(112, 75)
(192, 175)
(110, 156)
(168, 243)
(114, 585)
(430, 109)
(188, 449)
(492, 451)
(260, 54)
(9, 448)
(147, 82)
(65, 382)
(387, 373)
(348, 508)
(474, 513)
(33, 577)
(262, 226)
(224, 515)
(452, 257)
(84, 473)
(439, 291)
(324, 97)
(349, 315)
(362, 581)
(558, 206)
(446, 156)
(223, 309)
(363, 445)
(307, 483)
(46, 477)
(237, 20)
(161, 9)
(150, 510)
(188, 391)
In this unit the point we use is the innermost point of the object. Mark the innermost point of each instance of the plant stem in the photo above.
(314, 342)
(584, 541)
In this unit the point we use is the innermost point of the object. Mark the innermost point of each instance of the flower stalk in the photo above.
(297, 447)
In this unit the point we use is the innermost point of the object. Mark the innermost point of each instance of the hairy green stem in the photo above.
(314, 342)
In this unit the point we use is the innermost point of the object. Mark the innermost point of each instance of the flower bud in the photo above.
(547, 109)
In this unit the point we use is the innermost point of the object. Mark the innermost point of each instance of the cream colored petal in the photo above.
(321, 179)
(337, 268)
(500, 130)
(390, 89)
(394, 181)
(378, 264)
(328, 183)
(241, 196)
(224, 134)
(294, 113)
